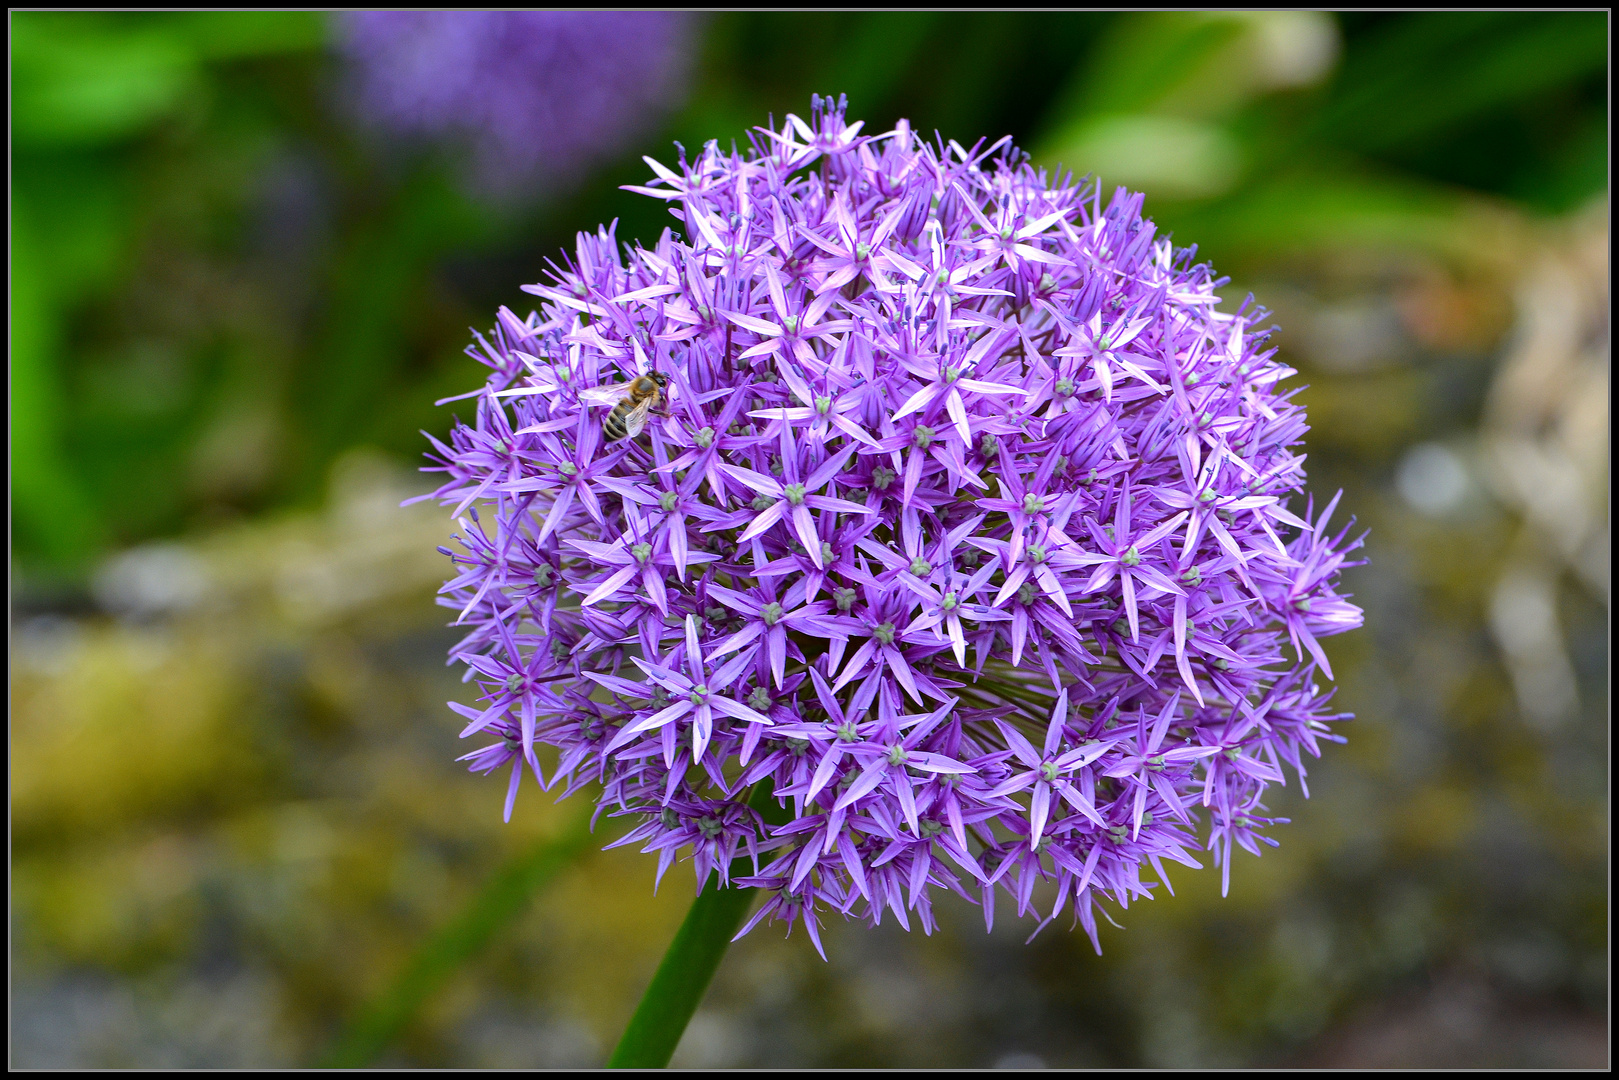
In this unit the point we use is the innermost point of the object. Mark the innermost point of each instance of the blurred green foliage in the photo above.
(221, 289)
(105, 109)
(1264, 145)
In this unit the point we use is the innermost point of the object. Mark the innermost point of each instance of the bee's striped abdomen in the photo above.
(613, 427)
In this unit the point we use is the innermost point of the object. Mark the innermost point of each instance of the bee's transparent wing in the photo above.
(602, 395)
(635, 419)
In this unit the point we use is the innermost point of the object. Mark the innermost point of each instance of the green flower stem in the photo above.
(682, 978)
(502, 899)
(689, 965)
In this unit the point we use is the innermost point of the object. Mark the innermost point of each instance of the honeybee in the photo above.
(632, 403)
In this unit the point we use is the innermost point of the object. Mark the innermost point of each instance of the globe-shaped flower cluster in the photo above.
(534, 98)
(956, 553)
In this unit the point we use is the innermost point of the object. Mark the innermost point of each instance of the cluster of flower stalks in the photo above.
(960, 531)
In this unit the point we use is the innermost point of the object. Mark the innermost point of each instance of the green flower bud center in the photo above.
(666, 501)
(1065, 386)
(847, 732)
(896, 755)
(559, 650)
(699, 694)
(843, 598)
(710, 827)
(641, 551)
(1302, 604)
(931, 828)
(922, 436)
(1037, 554)
(921, 567)
(1025, 593)
(704, 438)
(881, 477)
(513, 681)
(1221, 663)
(884, 633)
(951, 374)
(1048, 771)
(759, 699)
(988, 447)
(827, 554)
(1131, 557)
(1121, 626)
(950, 602)
(794, 494)
(762, 502)
(568, 468)
(1033, 504)
(790, 324)
(771, 613)
(542, 576)
(1193, 576)
(823, 405)
(668, 818)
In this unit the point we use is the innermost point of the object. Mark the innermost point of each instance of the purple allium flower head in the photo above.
(962, 531)
(536, 97)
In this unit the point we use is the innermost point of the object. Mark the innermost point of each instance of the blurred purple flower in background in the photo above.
(962, 530)
(536, 97)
